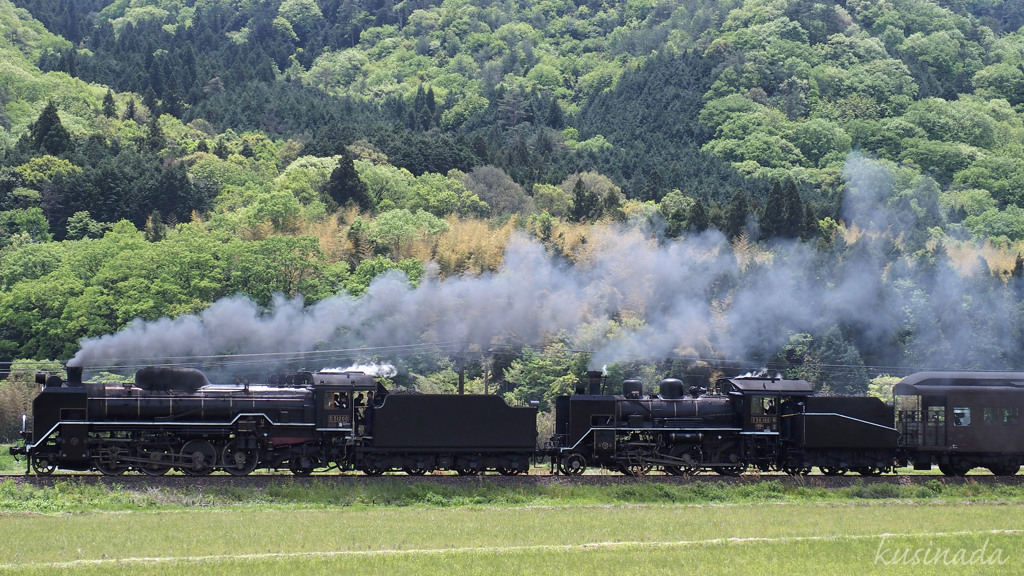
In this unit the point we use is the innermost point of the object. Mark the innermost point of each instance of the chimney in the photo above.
(594, 378)
(74, 375)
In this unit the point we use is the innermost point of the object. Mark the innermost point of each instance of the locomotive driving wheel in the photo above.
(109, 461)
(239, 461)
(690, 455)
(198, 458)
(635, 470)
(158, 459)
(735, 470)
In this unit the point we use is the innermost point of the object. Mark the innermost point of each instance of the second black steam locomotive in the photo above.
(765, 423)
(174, 419)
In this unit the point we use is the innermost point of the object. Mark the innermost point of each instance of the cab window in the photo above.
(762, 405)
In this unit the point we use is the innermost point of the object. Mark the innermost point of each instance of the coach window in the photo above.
(988, 416)
(1011, 415)
(961, 416)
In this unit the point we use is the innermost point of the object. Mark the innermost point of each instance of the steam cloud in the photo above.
(696, 296)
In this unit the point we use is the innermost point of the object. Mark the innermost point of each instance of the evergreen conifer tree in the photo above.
(109, 109)
(155, 134)
(129, 110)
(772, 221)
(736, 214)
(344, 185)
(586, 205)
(48, 134)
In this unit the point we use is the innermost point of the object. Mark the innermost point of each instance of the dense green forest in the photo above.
(515, 190)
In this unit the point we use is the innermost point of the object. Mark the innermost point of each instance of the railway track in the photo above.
(257, 481)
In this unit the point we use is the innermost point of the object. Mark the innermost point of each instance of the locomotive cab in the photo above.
(764, 404)
(344, 400)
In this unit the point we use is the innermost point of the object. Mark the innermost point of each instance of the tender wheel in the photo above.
(239, 461)
(573, 464)
(374, 465)
(832, 470)
(43, 466)
(198, 458)
(1004, 470)
(508, 471)
(953, 469)
(874, 471)
(415, 471)
(302, 466)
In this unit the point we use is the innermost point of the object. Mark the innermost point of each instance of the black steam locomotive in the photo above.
(173, 418)
(766, 423)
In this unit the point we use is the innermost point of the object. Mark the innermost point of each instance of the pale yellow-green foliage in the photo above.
(963, 256)
(471, 246)
(747, 252)
(42, 169)
(1001, 258)
(306, 176)
(881, 386)
(330, 232)
(571, 239)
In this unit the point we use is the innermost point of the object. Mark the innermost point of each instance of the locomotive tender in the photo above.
(173, 418)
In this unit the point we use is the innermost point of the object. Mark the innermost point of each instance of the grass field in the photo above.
(423, 528)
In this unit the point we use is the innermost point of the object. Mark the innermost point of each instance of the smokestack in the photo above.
(594, 378)
(74, 375)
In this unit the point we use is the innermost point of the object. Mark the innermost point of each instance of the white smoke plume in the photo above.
(376, 370)
(699, 295)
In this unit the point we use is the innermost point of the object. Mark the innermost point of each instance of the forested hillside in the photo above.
(832, 189)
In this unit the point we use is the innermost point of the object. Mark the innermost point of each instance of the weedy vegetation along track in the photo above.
(178, 482)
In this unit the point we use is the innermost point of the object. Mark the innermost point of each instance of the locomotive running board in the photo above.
(164, 423)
